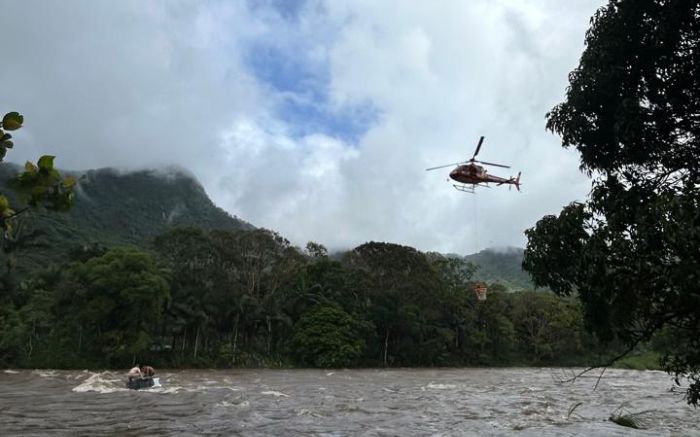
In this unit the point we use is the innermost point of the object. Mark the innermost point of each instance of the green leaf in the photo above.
(12, 121)
(4, 203)
(8, 144)
(54, 175)
(29, 167)
(46, 162)
(68, 182)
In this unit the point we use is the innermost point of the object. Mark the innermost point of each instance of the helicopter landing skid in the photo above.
(468, 188)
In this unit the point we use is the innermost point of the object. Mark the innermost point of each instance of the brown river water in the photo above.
(367, 402)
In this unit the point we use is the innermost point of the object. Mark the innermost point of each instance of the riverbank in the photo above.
(641, 361)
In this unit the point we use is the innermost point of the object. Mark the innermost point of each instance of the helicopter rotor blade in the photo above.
(491, 163)
(443, 166)
(478, 147)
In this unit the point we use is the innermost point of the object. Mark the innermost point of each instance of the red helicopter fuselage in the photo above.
(476, 174)
(469, 175)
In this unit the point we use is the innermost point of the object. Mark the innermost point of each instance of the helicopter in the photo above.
(470, 175)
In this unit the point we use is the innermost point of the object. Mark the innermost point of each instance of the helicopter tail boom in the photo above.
(512, 181)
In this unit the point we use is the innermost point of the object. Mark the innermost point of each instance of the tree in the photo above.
(459, 305)
(110, 305)
(39, 185)
(631, 252)
(316, 250)
(548, 328)
(261, 265)
(405, 297)
(327, 336)
(489, 333)
(229, 291)
(195, 277)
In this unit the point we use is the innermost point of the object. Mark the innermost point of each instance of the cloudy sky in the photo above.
(313, 118)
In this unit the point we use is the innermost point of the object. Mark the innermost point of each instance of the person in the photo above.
(134, 373)
(147, 371)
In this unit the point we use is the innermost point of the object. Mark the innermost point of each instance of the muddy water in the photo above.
(526, 402)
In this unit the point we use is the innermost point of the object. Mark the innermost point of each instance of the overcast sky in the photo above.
(316, 119)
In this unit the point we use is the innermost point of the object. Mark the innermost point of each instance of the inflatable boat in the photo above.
(141, 383)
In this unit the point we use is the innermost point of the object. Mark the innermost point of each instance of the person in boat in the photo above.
(147, 371)
(135, 373)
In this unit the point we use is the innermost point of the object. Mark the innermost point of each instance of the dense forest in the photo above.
(84, 289)
(248, 298)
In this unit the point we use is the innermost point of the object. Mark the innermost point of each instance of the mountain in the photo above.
(123, 208)
(131, 208)
(503, 265)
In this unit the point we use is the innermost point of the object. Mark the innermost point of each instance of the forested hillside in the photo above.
(202, 288)
(117, 208)
(131, 208)
(503, 265)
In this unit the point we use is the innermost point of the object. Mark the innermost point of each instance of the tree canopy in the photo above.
(631, 251)
(39, 185)
(249, 298)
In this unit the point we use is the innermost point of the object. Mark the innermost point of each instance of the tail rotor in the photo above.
(513, 181)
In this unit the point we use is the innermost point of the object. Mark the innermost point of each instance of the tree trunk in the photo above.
(269, 334)
(235, 339)
(196, 343)
(386, 347)
(31, 338)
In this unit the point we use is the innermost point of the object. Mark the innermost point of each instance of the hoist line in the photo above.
(476, 230)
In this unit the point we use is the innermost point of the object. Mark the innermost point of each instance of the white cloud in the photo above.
(134, 84)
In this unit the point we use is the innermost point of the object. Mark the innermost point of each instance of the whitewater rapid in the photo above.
(371, 402)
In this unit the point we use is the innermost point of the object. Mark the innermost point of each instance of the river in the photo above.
(367, 402)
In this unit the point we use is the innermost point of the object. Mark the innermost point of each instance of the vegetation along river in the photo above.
(469, 401)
